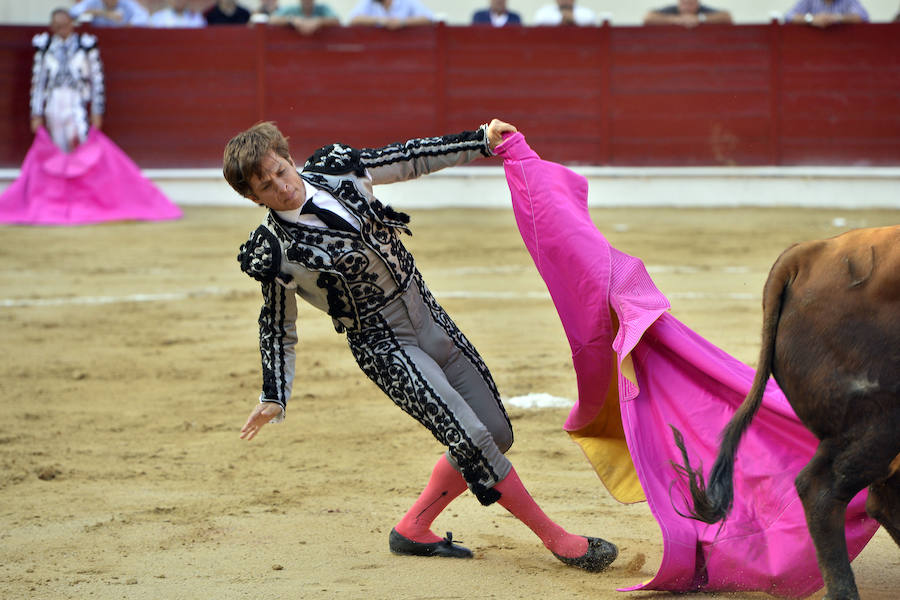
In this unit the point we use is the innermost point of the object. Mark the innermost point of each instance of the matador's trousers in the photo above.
(415, 353)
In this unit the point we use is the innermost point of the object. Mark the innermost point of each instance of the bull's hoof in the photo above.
(842, 595)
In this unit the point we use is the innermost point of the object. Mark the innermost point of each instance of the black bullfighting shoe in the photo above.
(600, 554)
(444, 548)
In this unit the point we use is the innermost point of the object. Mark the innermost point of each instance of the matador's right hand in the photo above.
(262, 413)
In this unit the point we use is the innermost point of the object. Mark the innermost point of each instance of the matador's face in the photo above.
(279, 185)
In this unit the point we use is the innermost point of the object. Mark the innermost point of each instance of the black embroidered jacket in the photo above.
(347, 275)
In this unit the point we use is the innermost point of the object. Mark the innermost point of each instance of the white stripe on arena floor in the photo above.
(455, 294)
(461, 294)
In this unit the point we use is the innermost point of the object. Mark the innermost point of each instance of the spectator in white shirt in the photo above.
(110, 13)
(177, 15)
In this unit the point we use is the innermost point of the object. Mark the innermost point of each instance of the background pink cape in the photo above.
(681, 379)
(96, 182)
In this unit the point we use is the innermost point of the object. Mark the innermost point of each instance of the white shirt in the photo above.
(169, 18)
(551, 15)
(499, 20)
(323, 200)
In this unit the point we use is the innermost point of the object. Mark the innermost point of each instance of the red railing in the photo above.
(730, 95)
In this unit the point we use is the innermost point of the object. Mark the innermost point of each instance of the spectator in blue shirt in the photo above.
(177, 14)
(110, 13)
(496, 15)
(391, 14)
(825, 13)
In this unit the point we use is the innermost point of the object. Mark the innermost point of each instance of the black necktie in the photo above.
(326, 216)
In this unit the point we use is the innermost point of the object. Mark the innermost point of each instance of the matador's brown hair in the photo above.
(245, 151)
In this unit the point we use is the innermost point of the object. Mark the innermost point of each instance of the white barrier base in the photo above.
(819, 187)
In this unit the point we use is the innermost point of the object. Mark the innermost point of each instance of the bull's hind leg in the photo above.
(826, 485)
(883, 504)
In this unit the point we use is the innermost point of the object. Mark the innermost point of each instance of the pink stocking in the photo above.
(445, 484)
(516, 499)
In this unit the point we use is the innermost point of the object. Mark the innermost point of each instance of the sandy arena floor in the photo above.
(130, 363)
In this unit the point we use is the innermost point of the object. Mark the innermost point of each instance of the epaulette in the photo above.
(87, 41)
(260, 256)
(41, 41)
(335, 159)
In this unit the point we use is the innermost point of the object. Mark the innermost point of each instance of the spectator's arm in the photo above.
(79, 9)
(659, 18)
(277, 19)
(823, 20)
(797, 13)
(367, 20)
(722, 17)
(309, 25)
(389, 23)
(409, 22)
(850, 18)
(328, 21)
(140, 16)
(113, 15)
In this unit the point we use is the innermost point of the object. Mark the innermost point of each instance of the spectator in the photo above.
(687, 13)
(825, 13)
(227, 12)
(565, 12)
(497, 15)
(267, 8)
(111, 13)
(306, 16)
(67, 76)
(391, 14)
(177, 15)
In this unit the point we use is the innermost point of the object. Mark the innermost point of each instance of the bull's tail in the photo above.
(712, 501)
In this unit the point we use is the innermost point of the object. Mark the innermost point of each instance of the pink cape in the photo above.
(680, 379)
(96, 182)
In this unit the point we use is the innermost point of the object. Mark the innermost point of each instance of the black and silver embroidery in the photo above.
(260, 256)
(423, 147)
(271, 348)
(335, 159)
(381, 357)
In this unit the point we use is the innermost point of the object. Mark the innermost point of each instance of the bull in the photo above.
(831, 340)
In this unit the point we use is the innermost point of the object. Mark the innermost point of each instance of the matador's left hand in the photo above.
(495, 131)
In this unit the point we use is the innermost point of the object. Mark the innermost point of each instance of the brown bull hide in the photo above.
(831, 339)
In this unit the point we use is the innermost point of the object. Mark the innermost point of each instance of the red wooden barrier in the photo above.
(731, 95)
